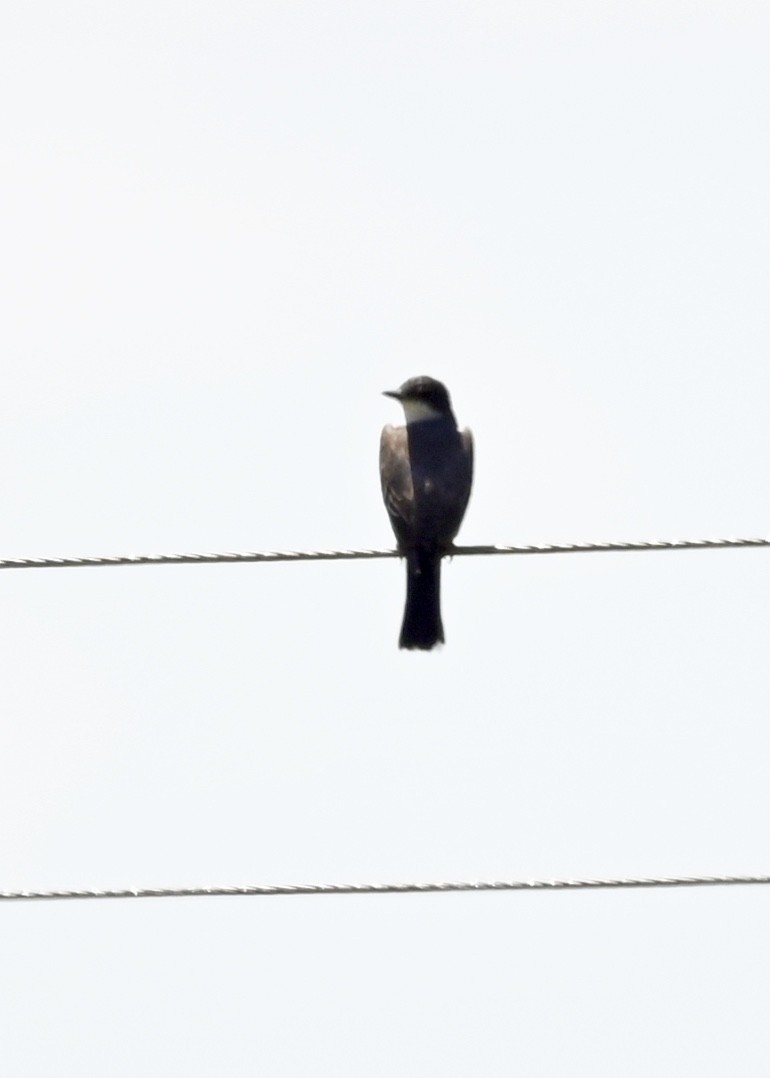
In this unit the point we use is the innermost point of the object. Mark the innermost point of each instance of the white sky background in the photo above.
(224, 229)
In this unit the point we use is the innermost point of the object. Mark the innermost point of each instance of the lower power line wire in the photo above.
(387, 888)
(225, 558)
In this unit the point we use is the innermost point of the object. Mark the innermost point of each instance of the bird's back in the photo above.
(426, 471)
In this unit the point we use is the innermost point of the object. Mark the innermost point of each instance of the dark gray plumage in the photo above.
(426, 470)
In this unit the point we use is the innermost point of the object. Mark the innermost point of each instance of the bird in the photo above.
(426, 471)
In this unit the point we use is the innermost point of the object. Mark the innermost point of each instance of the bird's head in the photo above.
(423, 398)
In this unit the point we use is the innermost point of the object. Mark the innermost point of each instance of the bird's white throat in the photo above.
(416, 411)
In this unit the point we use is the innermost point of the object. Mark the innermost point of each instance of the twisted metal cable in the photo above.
(355, 555)
(194, 559)
(387, 888)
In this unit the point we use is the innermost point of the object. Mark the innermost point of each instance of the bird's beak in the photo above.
(395, 393)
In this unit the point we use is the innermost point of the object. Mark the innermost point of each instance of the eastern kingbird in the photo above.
(426, 469)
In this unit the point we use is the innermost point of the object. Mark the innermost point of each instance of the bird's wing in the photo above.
(396, 480)
(467, 440)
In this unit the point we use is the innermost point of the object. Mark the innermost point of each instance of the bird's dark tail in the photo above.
(422, 626)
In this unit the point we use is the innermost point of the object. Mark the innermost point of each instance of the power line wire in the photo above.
(356, 555)
(387, 888)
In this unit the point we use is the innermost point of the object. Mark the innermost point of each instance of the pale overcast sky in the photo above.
(226, 228)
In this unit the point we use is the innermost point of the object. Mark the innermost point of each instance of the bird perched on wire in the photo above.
(426, 470)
